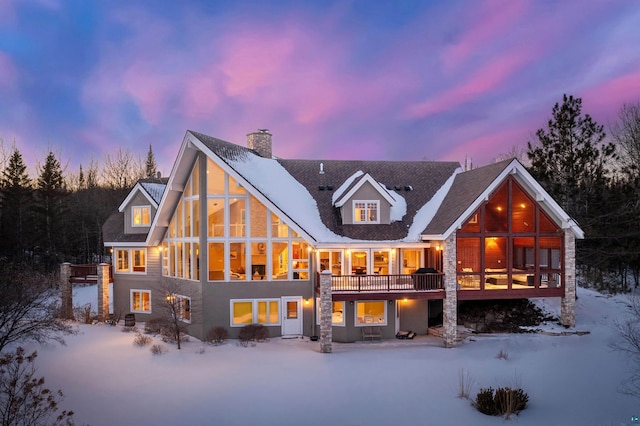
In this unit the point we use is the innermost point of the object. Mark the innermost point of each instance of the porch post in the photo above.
(568, 304)
(450, 302)
(326, 312)
(103, 291)
(66, 290)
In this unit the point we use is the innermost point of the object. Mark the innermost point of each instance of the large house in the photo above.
(242, 237)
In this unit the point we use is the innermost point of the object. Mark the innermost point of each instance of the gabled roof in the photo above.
(151, 188)
(113, 232)
(430, 200)
(471, 188)
(345, 192)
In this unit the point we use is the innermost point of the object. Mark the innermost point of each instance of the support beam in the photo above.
(326, 312)
(450, 302)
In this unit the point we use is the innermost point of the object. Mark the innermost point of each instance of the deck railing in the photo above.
(386, 283)
(87, 273)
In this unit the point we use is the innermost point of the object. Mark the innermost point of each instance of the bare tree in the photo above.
(122, 170)
(517, 152)
(626, 135)
(29, 307)
(629, 331)
(176, 307)
(24, 400)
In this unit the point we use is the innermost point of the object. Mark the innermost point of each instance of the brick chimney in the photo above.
(260, 142)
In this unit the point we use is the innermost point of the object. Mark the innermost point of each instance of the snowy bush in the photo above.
(217, 335)
(253, 333)
(501, 402)
(142, 340)
(158, 349)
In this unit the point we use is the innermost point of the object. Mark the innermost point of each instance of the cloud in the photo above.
(496, 72)
(492, 21)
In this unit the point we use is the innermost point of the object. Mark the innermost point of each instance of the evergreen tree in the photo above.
(573, 163)
(16, 191)
(150, 165)
(51, 210)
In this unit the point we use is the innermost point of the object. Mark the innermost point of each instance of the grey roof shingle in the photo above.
(466, 188)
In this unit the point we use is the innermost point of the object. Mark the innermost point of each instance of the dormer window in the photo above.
(366, 211)
(141, 215)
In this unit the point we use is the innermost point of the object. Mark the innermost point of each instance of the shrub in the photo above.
(253, 333)
(158, 349)
(484, 402)
(503, 401)
(217, 335)
(142, 340)
(129, 329)
(503, 355)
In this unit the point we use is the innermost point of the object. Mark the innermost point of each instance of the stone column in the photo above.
(450, 302)
(66, 289)
(568, 304)
(326, 311)
(103, 291)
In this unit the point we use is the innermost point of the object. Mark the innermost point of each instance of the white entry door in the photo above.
(291, 315)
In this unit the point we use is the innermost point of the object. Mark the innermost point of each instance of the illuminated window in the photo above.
(366, 211)
(183, 307)
(255, 311)
(141, 215)
(139, 261)
(122, 260)
(131, 260)
(337, 313)
(141, 301)
(371, 313)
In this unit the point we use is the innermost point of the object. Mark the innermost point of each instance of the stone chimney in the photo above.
(260, 142)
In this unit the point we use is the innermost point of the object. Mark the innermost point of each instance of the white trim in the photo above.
(137, 187)
(181, 297)
(356, 220)
(141, 207)
(533, 189)
(130, 261)
(376, 324)
(366, 178)
(254, 311)
(138, 290)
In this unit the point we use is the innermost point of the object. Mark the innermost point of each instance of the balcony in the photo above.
(401, 283)
(86, 274)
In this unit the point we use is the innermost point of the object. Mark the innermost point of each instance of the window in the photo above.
(131, 260)
(337, 312)
(371, 313)
(366, 211)
(122, 260)
(139, 261)
(250, 311)
(141, 301)
(183, 307)
(141, 215)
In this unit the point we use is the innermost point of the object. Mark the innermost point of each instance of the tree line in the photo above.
(57, 216)
(594, 176)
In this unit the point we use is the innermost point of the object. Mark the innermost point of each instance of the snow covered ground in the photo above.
(571, 380)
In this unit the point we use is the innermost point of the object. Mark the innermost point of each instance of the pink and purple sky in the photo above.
(406, 80)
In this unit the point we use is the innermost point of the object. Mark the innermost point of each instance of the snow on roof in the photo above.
(345, 185)
(399, 209)
(424, 216)
(155, 190)
(274, 182)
